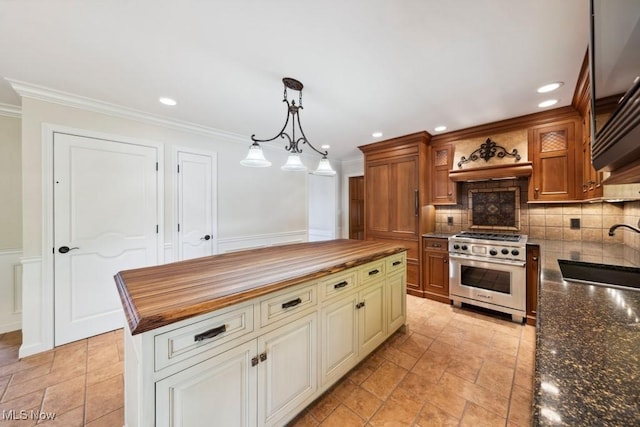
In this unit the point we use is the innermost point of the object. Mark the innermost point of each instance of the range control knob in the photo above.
(504, 251)
(456, 246)
(515, 252)
(464, 247)
(493, 252)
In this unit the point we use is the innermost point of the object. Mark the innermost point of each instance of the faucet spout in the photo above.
(612, 230)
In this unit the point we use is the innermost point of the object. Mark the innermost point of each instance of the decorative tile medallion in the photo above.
(494, 208)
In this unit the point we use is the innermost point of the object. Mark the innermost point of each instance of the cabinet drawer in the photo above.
(372, 271)
(182, 343)
(287, 304)
(338, 284)
(435, 244)
(396, 262)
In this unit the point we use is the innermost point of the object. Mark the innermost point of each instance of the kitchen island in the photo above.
(588, 342)
(252, 337)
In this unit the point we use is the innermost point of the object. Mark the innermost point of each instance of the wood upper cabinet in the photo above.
(552, 149)
(443, 190)
(395, 195)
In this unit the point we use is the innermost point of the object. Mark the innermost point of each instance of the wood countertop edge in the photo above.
(139, 323)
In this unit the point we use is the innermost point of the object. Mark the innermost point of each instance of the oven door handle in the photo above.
(489, 260)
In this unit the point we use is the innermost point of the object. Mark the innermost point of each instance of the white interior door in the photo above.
(196, 204)
(322, 207)
(105, 220)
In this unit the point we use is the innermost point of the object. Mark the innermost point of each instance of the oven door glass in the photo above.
(485, 278)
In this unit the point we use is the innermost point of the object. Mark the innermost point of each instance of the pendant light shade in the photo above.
(324, 168)
(293, 164)
(255, 157)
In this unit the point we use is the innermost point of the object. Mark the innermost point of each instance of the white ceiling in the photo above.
(367, 65)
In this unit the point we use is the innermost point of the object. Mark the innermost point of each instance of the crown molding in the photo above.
(41, 93)
(10, 110)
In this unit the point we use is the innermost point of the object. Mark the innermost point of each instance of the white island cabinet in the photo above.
(259, 355)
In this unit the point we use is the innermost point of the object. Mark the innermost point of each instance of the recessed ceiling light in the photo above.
(548, 103)
(325, 146)
(440, 128)
(376, 134)
(549, 87)
(167, 101)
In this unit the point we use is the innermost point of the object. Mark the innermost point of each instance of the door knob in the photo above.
(65, 249)
(206, 237)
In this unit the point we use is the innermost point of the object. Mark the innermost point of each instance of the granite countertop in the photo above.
(438, 235)
(587, 342)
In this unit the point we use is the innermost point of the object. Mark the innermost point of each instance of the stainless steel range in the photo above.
(489, 270)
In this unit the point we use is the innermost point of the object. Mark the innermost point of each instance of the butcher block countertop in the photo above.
(160, 295)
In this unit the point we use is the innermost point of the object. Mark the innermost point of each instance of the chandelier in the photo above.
(255, 158)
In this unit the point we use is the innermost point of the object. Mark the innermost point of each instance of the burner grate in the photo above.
(490, 236)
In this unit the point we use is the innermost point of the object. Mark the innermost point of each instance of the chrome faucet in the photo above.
(612, 230)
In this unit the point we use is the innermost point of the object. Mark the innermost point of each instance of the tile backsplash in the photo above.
(551, 220)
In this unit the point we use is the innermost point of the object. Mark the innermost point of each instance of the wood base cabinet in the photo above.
(436, 268)
(262, 361)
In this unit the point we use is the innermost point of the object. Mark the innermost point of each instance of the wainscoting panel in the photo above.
(240, 243)
(10, 290)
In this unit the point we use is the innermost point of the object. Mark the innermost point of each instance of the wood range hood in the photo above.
(490, 173)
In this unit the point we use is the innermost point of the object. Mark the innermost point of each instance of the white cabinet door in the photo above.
(372, 329)
(396, 300)
(287, 370)
(219, 391)
(339, 338)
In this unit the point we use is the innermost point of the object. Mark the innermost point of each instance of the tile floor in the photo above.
(454, 367)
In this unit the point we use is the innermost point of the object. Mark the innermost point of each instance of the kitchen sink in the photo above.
(600, 274)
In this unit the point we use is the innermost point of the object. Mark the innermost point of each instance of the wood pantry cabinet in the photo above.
(533, 281)
(262, 361)
(395, 195)
(556, 169)
(443, 189)
(436, 268)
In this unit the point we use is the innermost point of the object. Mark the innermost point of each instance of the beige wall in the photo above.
(250, 201)
(10, 184)
(631, 217)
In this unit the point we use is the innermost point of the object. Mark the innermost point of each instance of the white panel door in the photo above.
(105, 220)
(196, 198)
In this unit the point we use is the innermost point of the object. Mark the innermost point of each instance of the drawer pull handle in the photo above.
(374, 272)
(210, 333)
(340, 285)
(292, 303)
(436, 245)
(360, 305)
(397, 263)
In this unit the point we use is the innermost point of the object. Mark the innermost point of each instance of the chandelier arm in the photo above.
(279, 134)
(306, 141)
